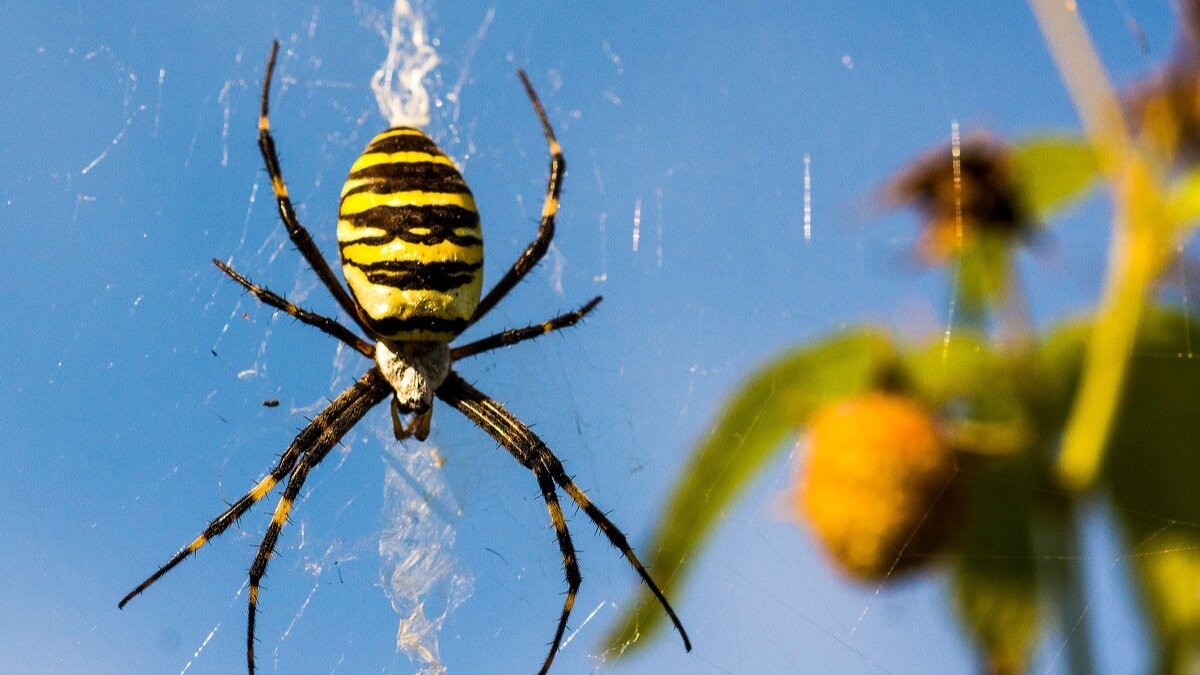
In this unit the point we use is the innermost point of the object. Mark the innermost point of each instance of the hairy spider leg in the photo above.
(299, 235)
(323, 323)
(541, 243)
(570, 562)
(308, 437)
(515, 335)
(530, 450)
(333, 423)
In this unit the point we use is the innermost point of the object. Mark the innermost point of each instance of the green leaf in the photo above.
(980, 393)
(1184, 202)
(1051, 171)
(1152, 467)
(964, 366)
(995, 574)
(1060, 361)
(1162, 332)
(1168, 567)
(771, 406)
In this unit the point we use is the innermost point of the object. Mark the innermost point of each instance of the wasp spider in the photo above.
(412, 255)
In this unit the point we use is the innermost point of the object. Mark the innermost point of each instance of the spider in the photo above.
(412, 255)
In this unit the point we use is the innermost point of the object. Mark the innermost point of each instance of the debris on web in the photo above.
(398, 84)
(420, 575)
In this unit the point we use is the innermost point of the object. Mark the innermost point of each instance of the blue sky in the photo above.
(127, 162)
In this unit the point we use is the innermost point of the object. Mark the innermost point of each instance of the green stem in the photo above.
(1135, 260)
(1141, 227)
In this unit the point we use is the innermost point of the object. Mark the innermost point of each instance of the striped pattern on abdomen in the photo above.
(408, 231)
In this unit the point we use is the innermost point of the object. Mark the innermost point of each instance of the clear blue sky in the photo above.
(127, 161)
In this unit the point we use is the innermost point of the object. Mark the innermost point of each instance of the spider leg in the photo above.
(324, 323)
(534, 252)
(231, 515)
(531, 451)
(333, 423)
(570, 564)
(565, 545)
(299, 235)
(515, 335)
(307, 437)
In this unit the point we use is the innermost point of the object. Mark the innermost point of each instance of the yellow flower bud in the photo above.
(878, 488)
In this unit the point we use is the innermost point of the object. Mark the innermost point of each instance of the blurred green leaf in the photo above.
(1162, 331)
(973, 388)
(995, 575)
(771, 406)
(1152, 467)
(1054, 170)
(961, 367)
(1152, 462)
(1184, 200)
(1059, 361)
(1168, 567)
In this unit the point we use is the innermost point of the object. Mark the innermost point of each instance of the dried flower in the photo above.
(963, 193)
(1164, 109)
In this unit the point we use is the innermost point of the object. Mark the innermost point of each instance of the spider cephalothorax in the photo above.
(412, 254)
(414, 370)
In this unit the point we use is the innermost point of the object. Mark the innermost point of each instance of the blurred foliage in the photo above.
(994, 572)
(1053, 171)
(767, 409)
(1015, 403)
(1153, 464)
(1042, 423)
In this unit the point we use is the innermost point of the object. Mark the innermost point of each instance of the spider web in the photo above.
(714, 198)
(420, 574)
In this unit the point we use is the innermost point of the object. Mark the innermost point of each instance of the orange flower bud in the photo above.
(877, 489)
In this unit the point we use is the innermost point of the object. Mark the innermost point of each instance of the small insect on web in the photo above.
(412, 253)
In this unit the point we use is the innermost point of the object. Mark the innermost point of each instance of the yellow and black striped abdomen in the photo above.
(409, 235)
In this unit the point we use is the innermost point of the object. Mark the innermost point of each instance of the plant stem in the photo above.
(1136, 257)
(1140, 232)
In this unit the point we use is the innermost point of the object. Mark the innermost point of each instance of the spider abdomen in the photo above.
(408, 230)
